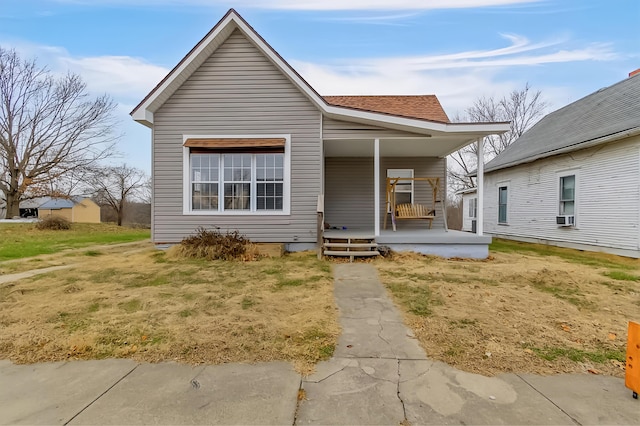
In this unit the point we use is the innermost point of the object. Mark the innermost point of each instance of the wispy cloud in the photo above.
(457, 78)
(321, 4)
(123, 77)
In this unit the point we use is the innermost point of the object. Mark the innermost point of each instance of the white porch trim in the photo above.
(480, 185)
(376, 186)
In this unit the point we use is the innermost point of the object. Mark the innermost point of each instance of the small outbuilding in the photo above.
(75, 209)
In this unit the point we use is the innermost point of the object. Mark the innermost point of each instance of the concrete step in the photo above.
(358, 245)
(352, 253)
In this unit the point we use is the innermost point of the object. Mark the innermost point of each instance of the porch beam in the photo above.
(376, 186)
(480, 186)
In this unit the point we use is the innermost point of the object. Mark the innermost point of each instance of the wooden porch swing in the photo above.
(410, 210)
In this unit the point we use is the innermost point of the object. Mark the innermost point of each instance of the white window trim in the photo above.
(498, 186)
(472, 201)
(576, 193)
(404, 192)
(186, 179)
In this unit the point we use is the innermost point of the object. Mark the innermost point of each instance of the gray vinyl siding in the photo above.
(349, 197)
(337, 129)
(607, 197)
(237, 91)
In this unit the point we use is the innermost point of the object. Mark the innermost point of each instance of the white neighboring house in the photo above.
(573, 180)
(469, 209)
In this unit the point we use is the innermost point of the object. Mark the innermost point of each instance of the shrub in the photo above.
(54, 223)
(213, 245)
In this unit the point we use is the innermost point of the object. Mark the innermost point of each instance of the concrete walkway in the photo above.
(378, 375)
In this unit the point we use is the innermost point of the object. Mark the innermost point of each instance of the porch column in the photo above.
(480, 186)
(376, 186)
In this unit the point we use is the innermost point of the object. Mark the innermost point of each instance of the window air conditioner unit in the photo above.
(566, 220)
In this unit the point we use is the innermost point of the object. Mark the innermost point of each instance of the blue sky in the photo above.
(456, 49)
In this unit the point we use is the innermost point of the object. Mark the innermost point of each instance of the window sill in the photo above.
(503, 224)
(235, 213)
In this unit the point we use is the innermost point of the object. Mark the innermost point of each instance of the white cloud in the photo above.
(457, 78)
(122, 77)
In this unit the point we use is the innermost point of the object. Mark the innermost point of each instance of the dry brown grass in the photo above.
(515, 312)
(151, 307)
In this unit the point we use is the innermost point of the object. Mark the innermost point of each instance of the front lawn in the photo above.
(148, 306)
(528, 308)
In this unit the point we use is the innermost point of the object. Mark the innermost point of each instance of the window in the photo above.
(567, 194)
(204, 181)
(473, 208)
(222, 176)
(502, 204)
(404, 188)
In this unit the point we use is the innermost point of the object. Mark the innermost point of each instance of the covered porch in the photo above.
(354, 204)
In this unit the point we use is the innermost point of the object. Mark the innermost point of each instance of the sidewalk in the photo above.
(378, 375)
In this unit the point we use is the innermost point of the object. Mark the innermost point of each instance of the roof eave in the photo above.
(575, 147)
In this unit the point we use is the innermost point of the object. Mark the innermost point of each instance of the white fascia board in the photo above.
(412, 125)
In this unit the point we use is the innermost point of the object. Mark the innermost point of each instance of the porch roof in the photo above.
(439, 144)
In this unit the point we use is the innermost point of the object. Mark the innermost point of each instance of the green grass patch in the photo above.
(568, 294)
(579, 355)
(247, 302)
(131, 306)
(185, 313)
(622, 276)
(289, 282)
(416, 299)
(575, 256)
(92, 253)
(20, 240)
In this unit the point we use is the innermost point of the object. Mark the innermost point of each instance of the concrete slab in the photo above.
(434, 393)
(589, 399)
(357, 391)
(371, 324)
(179, 394)
(52, 393)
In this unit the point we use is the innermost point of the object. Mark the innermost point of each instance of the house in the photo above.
(469, 209)
(241, 141)
(573, 180)
(75, 209)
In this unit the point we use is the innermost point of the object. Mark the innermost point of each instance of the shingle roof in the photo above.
(57, 203)
(607, 112)
(425, 107)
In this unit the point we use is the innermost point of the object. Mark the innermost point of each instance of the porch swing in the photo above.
(410, 210)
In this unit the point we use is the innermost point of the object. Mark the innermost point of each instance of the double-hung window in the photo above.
(567, 194)
(230, 179)
(473, 208)
(502, 204)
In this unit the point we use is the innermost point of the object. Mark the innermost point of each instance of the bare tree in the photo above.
(50, 128)
(116, 186)
(522, 108)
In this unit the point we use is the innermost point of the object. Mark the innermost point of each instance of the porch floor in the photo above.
(438, 242)
(411, 236)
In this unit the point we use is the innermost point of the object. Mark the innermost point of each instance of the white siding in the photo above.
(466, 219)
(237, 91)
(607, 198)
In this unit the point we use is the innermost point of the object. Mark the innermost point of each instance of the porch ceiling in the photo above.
(431, 146)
